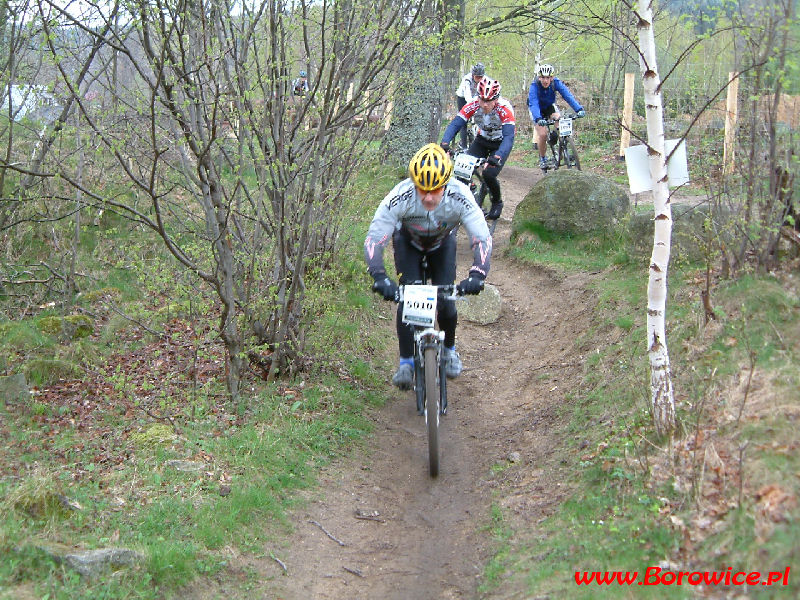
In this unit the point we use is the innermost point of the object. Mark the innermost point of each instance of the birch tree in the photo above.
(663, 403)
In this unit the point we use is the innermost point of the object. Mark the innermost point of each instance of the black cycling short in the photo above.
(483, 148)
(441, 271)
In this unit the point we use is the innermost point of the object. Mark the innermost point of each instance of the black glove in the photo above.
(493, 160)
(542, 122)
(445, 146)
(581, 113)
(385, 287)
(472, 285)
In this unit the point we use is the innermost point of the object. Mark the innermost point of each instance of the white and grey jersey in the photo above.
(468, 89)
(402, 209)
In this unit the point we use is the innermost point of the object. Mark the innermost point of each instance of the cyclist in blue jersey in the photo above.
(300, 85)
(542, 105)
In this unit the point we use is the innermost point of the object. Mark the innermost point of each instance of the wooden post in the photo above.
(731, 117)
(627, 114)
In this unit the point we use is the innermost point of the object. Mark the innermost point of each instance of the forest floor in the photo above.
(377, 526)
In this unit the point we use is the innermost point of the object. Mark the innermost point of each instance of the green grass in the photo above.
(622, 499)
(93, 451)
(568, 253)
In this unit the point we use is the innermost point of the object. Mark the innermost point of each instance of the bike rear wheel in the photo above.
(432, 409)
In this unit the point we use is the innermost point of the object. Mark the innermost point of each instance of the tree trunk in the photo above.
(453, 12)
(663, 403)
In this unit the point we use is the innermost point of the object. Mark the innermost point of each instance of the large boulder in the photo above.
(570, 201)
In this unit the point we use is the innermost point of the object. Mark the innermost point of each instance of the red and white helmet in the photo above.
(488, 89)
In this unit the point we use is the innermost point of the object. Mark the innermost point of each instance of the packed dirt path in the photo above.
(378, 527)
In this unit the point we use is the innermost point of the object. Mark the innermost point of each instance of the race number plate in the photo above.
(464, 165)
(565, 126)
(419, 305)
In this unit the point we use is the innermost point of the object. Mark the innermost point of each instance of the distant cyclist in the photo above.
(467, 92)
(300, 85)
(542, 105)
(420, 216)
(494, 116)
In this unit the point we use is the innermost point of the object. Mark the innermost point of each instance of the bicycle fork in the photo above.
(425, 339)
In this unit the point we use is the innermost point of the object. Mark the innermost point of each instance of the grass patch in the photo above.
(723, 492)
(567, 253)
(141, 450)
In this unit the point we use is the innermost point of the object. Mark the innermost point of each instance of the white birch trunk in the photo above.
(660, 377)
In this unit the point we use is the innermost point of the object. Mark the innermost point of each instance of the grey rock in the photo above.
(483, 308)
(691, 240)
(91, 563)
(14, 388)
(185, 465)
(94, 562)
(570, 201)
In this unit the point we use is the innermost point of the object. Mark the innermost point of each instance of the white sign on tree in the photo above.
(638, 166)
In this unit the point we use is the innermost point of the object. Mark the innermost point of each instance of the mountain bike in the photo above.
(430, 381)
(562, 147)
(467, 169)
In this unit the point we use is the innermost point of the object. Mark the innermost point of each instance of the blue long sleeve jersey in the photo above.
(540, 97)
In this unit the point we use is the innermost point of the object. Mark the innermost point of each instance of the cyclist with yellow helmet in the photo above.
(421, 215)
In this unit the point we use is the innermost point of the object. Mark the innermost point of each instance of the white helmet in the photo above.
(546, 70)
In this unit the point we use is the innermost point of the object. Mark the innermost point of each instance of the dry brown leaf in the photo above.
(775, 502)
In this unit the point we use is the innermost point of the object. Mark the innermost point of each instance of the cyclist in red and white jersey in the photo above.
(494, 116)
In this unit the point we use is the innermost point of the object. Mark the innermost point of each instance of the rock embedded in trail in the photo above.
(483, 308)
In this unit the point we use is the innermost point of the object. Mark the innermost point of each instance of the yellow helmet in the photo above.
(431, 167)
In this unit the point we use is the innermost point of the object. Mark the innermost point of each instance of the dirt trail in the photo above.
(419, 538)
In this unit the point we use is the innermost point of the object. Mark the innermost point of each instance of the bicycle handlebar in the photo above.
(572, 116)
(448, 291)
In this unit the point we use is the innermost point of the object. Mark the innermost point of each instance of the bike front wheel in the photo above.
(554, 151)
(419, 388)
(432, 409)
(572, 155)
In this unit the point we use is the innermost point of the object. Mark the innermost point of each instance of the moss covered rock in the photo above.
(70, 327)
(155, 436)
(95, 295)
(573, 202)
(46, 371)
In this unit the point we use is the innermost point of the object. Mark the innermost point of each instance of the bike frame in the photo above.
(472, 131)
(430, 381)
(468, 169)
(563, 151)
